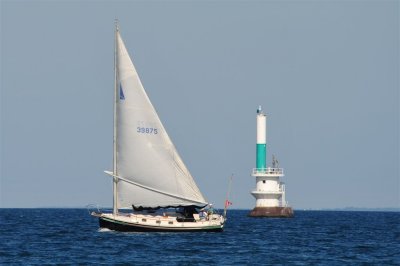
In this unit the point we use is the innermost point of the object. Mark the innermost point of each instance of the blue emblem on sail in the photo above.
(121, 93)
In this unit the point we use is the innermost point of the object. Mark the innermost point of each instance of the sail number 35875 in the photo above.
(146, 130)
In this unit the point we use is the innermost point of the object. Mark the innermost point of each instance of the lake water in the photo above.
(71, 236)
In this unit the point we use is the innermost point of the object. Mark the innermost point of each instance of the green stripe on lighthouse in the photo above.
(261, 161)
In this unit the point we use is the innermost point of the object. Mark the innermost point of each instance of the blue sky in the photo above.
(325, 72)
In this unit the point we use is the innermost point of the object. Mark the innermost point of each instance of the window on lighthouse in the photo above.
(264, 181)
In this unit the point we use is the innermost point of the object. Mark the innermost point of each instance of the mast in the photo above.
(115, 170)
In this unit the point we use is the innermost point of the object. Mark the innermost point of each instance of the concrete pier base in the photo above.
(273, 212)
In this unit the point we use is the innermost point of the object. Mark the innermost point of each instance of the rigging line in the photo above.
(155, 190)
(227, 196)
(185, 172)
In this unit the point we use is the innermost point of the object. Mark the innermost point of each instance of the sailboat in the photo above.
(152, 188)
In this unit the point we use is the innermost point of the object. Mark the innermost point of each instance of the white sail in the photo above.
(151, 172)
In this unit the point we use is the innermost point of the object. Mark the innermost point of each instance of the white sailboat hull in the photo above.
(157, 223)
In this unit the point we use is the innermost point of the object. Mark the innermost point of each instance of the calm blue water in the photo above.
(71, 236)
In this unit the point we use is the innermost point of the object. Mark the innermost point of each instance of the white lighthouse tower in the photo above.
(270, 191)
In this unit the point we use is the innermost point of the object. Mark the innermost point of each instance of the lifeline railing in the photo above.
(268, 170)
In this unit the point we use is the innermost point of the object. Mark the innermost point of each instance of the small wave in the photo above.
(104, 230)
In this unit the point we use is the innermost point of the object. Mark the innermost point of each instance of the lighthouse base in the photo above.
(272, 212)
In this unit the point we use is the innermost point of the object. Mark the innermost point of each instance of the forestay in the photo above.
(151, 170)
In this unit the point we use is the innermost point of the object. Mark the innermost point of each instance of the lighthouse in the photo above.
(270, 191)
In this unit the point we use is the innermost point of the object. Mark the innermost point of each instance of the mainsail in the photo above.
(151, 172)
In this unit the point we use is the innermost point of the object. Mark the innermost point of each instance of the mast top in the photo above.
(116, 24)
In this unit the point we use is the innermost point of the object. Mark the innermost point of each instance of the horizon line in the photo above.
(391, 209)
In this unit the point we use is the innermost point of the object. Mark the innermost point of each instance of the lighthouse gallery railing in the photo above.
(268, 170)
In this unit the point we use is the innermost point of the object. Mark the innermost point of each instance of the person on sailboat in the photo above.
(210, 211)
(203, 214)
